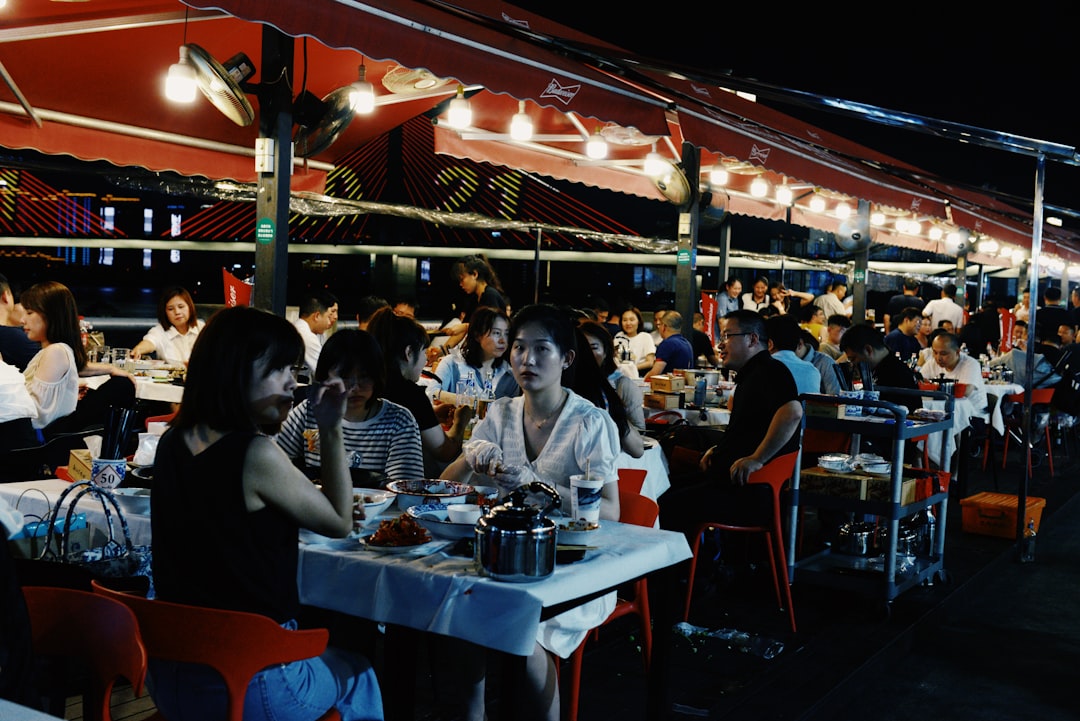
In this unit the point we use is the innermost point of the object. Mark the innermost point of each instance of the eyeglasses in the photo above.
(723, 338)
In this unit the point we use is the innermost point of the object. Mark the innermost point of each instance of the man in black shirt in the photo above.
(15, 348)
(765, 417)
(865, 344)
(907, 298)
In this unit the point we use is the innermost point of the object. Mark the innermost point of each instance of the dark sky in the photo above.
(1010, 69)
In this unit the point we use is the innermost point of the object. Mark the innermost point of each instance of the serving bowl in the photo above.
(435, 518)
(428, 490)
(133, 500)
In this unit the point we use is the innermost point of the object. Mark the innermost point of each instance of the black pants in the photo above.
(701, 497)
(93, 408)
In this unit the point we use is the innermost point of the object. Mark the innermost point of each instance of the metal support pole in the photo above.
(1033, 284)
(272, 204)
(686, 295)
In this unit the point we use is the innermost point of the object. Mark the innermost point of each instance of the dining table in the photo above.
(963, 412)
(146, 388)
(433, 589)
(654, 463)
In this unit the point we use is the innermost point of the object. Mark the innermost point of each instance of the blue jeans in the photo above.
(298, 691)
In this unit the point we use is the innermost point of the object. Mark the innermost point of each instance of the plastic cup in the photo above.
(585, 496)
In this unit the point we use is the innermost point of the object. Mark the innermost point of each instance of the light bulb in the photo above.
(180, 83)
(362, 94)
(843, 211)
(718, 176)
(877, 218)
(784, 195)
(817, 204)
(521, 125)
(759, 187)
(935, 233)
(459, 112)
(596, 147)
(989, 246)
(655, 165)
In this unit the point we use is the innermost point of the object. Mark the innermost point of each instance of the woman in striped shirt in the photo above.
(381, 437)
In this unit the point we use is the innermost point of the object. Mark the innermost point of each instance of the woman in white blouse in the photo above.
(546, 434)
(178, 327)
(52, 376)
(634, 340)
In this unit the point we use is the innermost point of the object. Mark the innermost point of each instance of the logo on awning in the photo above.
(759, 153)
(563, 94)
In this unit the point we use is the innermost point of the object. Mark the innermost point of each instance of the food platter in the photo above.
(365, 542)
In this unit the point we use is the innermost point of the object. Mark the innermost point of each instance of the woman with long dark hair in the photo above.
(481, 286)
(52, 376)
(481, 358)
(600, 380)
(217, 475)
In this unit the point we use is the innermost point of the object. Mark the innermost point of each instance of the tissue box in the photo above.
(79, 463)
(667, 383)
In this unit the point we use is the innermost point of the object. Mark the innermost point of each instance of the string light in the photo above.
(521, 125)
(459, 112)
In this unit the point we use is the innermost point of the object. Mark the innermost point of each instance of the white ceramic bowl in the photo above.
(428, 490)
(573, 533)
(463, 513)
(835, 462)
(375, 501)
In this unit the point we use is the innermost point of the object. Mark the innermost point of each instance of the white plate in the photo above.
(382, 501)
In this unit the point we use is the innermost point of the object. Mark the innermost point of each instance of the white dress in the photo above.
(584, 436)
(56, 398)
(640, 346)
(171, 345)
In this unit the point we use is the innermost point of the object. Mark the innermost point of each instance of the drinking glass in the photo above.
(466, 394)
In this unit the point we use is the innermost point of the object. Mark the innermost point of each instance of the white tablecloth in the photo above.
(446, 595)
(14, 712)
(656, 469)
(145, 389)
(37, 498)
(963, 412)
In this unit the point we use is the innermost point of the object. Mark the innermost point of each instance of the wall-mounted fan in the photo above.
(220, 83)
(673, 184)
(336, 114)
(854, 232)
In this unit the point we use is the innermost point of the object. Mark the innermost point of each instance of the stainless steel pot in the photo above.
(515, 542)
(712, 378)
(857, 539)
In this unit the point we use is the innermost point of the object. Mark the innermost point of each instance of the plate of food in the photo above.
(397, 535)
(575, 533)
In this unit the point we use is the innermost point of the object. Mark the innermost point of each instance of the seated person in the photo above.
(380, 436)
(16, 410)
(765, 418)
(703, 346)
(1044, 375)
(783, 341)
(675, 351)
(178, 326)
(862, 343)
(591, 374)
(949, 362)
(834, 330)
(902, 340)
(831, 381)
(480, 359)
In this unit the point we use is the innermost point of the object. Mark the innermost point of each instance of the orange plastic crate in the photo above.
(994, 514)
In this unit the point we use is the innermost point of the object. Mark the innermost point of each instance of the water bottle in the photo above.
(1027, 545)
(699, 392)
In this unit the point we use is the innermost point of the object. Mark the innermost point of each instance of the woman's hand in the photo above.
(510, 477)
(327, 401)
(482, 456)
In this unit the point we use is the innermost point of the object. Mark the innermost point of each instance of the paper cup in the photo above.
(108, 472)
(585, 495)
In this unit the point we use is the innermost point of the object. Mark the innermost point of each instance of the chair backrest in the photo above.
(637, 509)
(631, 479)
(815, 440)
(102, 634)
(1039, 396)
(236, 644)
(167, 418)
(776, 473)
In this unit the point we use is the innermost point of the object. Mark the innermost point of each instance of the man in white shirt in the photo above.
(832, 300)
(318, 313)
(945, 308)
(948, 361)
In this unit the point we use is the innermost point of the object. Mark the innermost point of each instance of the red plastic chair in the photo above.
(631, 480)
(167, 418)
(775, 473)
(641, 511)
(236, 644)
(101, 635)
(1039, 396)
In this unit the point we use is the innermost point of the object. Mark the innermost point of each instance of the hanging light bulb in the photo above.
(784, 196)
(596, 147)
(718, 176)
(935, 233)
(362, 93)
(843, 210)
(521, 125)
(817, 204)
(180, 83)
(655, 165)
(459, 112)
(988, 246)
(759, 187)
(877, 218)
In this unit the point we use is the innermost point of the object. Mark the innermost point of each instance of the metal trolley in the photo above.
(855, 573)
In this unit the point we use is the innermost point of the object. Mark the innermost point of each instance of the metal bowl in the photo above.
(428, 490)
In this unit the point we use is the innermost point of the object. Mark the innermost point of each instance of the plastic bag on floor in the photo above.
(766, 648)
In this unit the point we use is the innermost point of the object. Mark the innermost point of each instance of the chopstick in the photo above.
(570, 547)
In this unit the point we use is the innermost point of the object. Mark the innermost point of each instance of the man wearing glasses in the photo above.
(765, 417)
